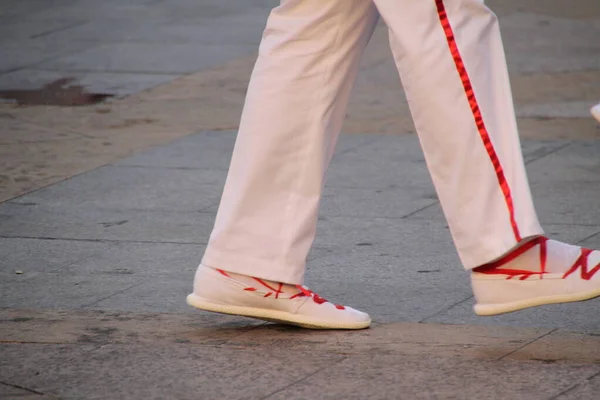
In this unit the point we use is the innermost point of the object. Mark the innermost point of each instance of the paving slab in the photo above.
(27, 53)
(117, 84)
(105, 225)
(445, 379)
(587, 389)
(103, 327)
(56, 290)
(151, 372)
(148, 58)
(157, 355)
(132, 188)
(37, 256)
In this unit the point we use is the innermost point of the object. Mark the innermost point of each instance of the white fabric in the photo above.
(296, 101)
(596, 112)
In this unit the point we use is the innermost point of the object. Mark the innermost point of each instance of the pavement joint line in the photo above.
(588, 237)
(430, 219)
(176, 74)
(424, 320)
(556, 150)
(26, 389)
(306, 377)
(351, 149)
(36, 123)
(171, 168)
(34, 274)
(53, 183)
(225, 342)
(419, 210)
(61, 29)
(115, 241)
(113, 294)
(575, 386)
(527, 344)
(55, 57)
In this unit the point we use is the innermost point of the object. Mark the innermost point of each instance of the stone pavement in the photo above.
(94, 269)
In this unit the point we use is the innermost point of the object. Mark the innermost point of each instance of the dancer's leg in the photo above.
(452, 64)
(451, 61)
(296, 101)
(293, 113)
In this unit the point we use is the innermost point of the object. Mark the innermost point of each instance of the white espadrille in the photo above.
(217, 291)
(500, 290)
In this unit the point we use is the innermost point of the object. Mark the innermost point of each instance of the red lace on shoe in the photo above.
(316, 298)
(493, 268)
(581, 262)
(303, 291)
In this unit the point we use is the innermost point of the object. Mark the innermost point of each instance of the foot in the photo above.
(596, 111)
(227, 293)
(541, 271)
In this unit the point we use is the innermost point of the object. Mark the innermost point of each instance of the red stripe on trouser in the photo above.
(485, 137)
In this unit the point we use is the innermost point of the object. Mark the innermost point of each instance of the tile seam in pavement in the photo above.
(59, 29)
(30, 66)
(556, 150)
(333, 364)
(575, 386)
(26, 389)
(588, 237)
(407, 216)
(178, 74)
(424, 320)
(226, 342)
(527, 344)
(62, 129)
(142, 281)
(99, 240)
(67, 265)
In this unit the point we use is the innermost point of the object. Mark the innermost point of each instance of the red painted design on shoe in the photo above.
(303, 291)
(477, 116)
(582, 263)
(223, 273)
(316, 298)
(493, 268)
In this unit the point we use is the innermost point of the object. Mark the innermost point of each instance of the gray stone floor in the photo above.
(128, 236)
(122, 47)
(110, 249)
(94, 269)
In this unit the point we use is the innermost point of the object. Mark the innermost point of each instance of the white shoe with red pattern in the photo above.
(222, 292)
(541, 271)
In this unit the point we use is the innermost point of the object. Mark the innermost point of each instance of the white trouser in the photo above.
(451, 61)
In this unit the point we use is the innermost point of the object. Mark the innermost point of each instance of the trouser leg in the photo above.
(296, 101)
(451, 61)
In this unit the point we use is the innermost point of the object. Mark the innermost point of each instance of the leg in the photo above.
(294, 110)
(297, 97)
(452, 64)
(459, 93)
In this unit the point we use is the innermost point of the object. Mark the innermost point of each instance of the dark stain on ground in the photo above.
(21, 319)
(117, 223)
(57, 93)
(103, 331)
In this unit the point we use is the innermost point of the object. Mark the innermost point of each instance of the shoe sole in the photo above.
(281, 317)
(495, 309)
